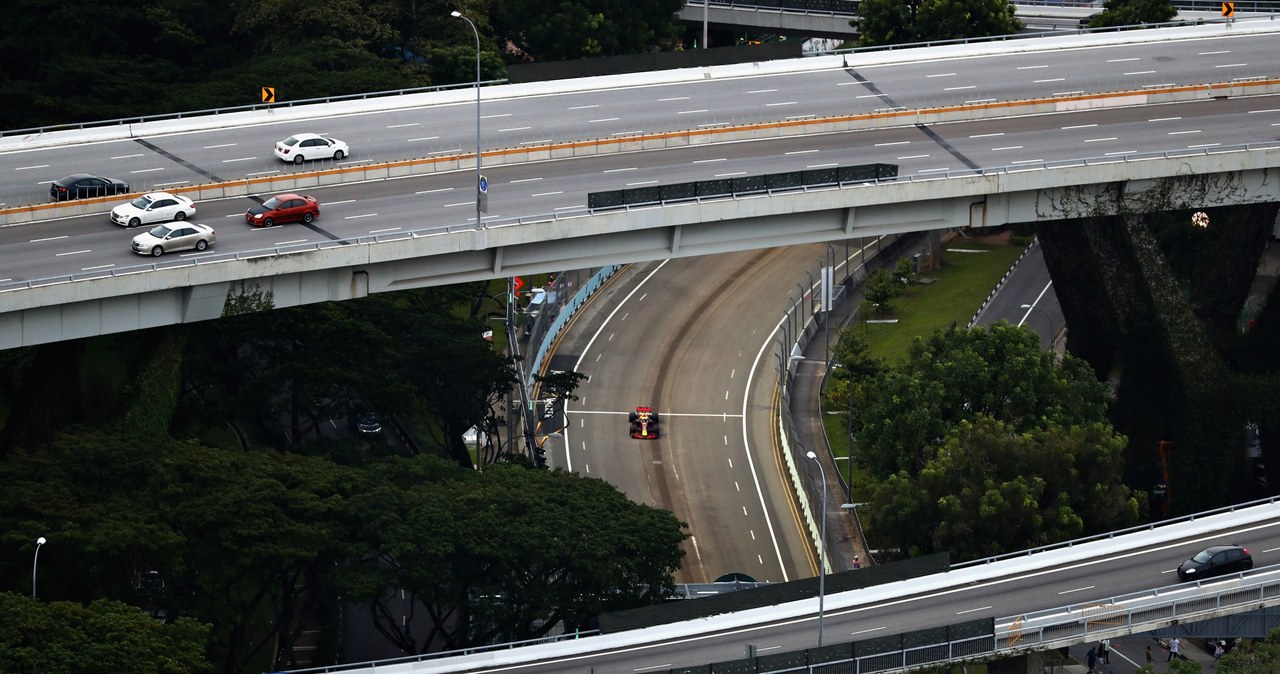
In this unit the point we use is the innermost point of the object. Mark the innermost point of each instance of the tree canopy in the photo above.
(885, 22)
(141, 57)
(64, 637)
(1253, 656)
(254, 535)
(956, 375)
(981, 443)
(1134, 12)
(987, 491)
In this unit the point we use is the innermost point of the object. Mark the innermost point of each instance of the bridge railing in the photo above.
(1113, 534)
(14, 285)
(124, 121)
(1139, 611)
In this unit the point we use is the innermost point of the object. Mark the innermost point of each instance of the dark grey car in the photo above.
(85, 185)
(1215, 561)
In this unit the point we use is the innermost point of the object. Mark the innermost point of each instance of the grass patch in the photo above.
(959, 288)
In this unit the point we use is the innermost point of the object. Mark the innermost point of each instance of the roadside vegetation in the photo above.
(78, 63)
(197, 473)
(973, 442)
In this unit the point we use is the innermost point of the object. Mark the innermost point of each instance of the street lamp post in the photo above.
(822, 546)
(35, 560)
(459, 15)
(1052, 333)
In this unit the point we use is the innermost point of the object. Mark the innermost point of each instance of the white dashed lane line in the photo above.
(362, 215)
(214, 147)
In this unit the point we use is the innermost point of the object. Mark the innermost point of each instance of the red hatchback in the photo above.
(283, 208)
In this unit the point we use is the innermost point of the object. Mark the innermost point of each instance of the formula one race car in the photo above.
(644, 423)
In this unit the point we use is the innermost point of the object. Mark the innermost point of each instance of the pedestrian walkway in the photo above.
(806, 409)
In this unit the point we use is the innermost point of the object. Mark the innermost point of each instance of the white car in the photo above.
(153, 207)
(304, 146)
(164, 238)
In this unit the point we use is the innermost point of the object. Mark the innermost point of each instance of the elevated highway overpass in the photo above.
(1109, 586)
(970, 153)
(832, 18)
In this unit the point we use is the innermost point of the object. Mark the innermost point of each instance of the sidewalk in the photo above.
(806, 409)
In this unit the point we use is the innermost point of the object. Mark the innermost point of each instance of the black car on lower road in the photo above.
(85, 185)
(1216, 561)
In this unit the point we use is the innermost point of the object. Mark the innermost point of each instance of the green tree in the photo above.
(958, 19)
(956, 375)
(879, 289)
(234, 536)
(507, 553)
(885, 22)
(989, 490)
(1134, 12)
(856, 365)
(105, 636)
(1253, 656)
(552, 30)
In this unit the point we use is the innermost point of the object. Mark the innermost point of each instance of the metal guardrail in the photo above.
(18, 285)
(1138, 611)
(122, 121)
(1000, 637)
(1113, 534)
(374, 664)
(850, 7)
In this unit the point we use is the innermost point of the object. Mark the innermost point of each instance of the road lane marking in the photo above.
(972, 610)
(401, 126)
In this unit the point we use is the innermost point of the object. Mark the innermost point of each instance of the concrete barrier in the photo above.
(661, 141)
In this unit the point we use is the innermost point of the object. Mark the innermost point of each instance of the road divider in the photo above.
(663, 141)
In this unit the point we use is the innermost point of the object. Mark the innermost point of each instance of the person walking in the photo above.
(1092, 660)
(1104, 651)
(1151, 660)
(1218, 650)
(1174, 646)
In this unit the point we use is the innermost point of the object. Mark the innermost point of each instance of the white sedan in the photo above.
(153, 207)
(164, 238)
(304, 146)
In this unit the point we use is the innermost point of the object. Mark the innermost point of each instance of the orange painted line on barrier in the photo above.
(687, 134)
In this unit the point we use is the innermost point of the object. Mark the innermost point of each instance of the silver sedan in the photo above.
(165, 238)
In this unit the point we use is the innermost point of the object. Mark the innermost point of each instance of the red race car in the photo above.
(644, 423)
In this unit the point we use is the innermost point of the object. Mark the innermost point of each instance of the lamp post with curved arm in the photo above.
(822, 545)
(35, 559)
(1052, 332)
(459, 15)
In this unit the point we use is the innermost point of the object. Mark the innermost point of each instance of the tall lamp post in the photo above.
(35, 559)
(458, 15)
(822, 546)
(1052, 333)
